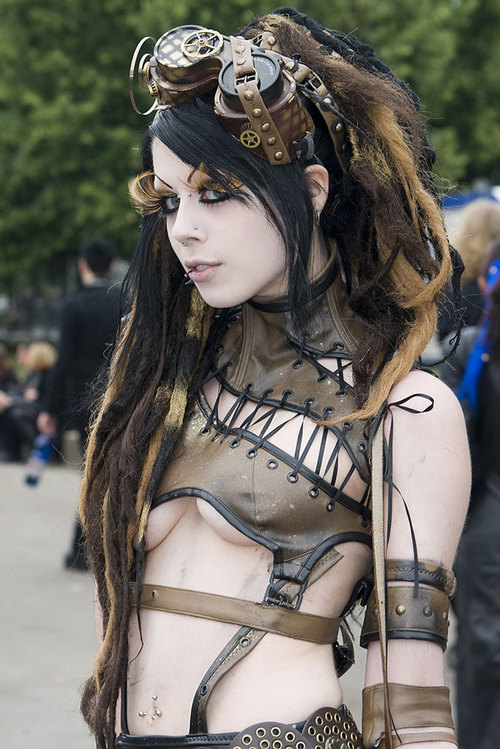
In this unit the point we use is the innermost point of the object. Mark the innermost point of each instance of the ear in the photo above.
(317, 179)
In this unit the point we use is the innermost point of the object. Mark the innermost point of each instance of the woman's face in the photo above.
(230, 250)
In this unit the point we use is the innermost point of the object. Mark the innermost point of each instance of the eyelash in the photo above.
(221, 197)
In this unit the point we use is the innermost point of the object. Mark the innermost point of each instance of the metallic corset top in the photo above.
(293, 500)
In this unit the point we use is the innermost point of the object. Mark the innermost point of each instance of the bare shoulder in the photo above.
(431, 466)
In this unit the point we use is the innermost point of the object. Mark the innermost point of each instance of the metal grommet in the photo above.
(277, 744)
(362, 447)
(297, 364)
(204, 689)
(205, 430)
(329, 717)
(320, 738)
(251, 453)
(246, 739)
(347, 425)
(330, 506)
(311, 731)
(260, 732)
(427, 611)
(300, 745)
(400, 610)
(264, 744)
(289, 736)
(276, 731)
(327, 730)
(292, 477)
(272, 464)
(341, 393)
(287, 393)
(343, 736)
(335, 730)
(319, 720)
(313, 492)
(235, 443)
(337, 718)
(347, 726)
(245, 642)
(322, 378)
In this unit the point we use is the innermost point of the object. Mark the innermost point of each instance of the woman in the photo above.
(284, 283)
(18, 413)
(475, 374)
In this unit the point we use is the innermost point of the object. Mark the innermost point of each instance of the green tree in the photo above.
(69, 139)
(67, 130)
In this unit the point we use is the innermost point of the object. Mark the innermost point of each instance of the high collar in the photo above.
(261, 350)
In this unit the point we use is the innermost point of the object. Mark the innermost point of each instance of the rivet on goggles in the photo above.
(256, 98)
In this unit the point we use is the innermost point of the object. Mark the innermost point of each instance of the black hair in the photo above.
(98, 254)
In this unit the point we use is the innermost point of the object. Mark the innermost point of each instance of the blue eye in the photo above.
(211, 195)
(169, 204)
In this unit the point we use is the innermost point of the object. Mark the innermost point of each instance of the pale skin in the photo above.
(190, 545)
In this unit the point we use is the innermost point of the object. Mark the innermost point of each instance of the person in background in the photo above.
(19, 410)
(8, 384)
(89, 321)
(474, 373)
(478, 227)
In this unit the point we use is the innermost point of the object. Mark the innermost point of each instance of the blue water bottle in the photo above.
(38, 459)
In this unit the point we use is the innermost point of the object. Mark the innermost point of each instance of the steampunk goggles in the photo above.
(256, 98)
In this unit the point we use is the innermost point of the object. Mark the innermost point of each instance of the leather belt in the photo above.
(262, 616)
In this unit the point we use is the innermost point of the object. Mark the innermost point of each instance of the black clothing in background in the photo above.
(89, 322)
(477, 565)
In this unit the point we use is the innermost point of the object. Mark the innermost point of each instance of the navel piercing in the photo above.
(157, 713)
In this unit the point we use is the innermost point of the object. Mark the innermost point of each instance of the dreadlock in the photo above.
(385, 217)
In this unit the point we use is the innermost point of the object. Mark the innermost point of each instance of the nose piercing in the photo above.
(185, 242)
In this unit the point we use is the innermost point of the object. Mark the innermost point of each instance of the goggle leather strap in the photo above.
(303, 74)
(270, 140)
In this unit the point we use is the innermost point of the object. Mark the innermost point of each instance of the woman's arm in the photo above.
(432, 474)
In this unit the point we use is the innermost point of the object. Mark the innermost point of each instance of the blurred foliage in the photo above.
(69, 139)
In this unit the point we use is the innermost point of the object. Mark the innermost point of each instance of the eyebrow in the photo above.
(157, 176)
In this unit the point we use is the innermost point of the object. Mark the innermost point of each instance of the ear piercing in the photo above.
(157, 713)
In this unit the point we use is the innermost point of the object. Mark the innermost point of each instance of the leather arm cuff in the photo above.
(422, 618)
(412, 708)
(417, 612)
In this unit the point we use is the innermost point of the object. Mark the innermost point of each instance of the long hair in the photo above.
(384, 218)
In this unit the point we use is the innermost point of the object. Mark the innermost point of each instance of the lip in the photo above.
(198, 276)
